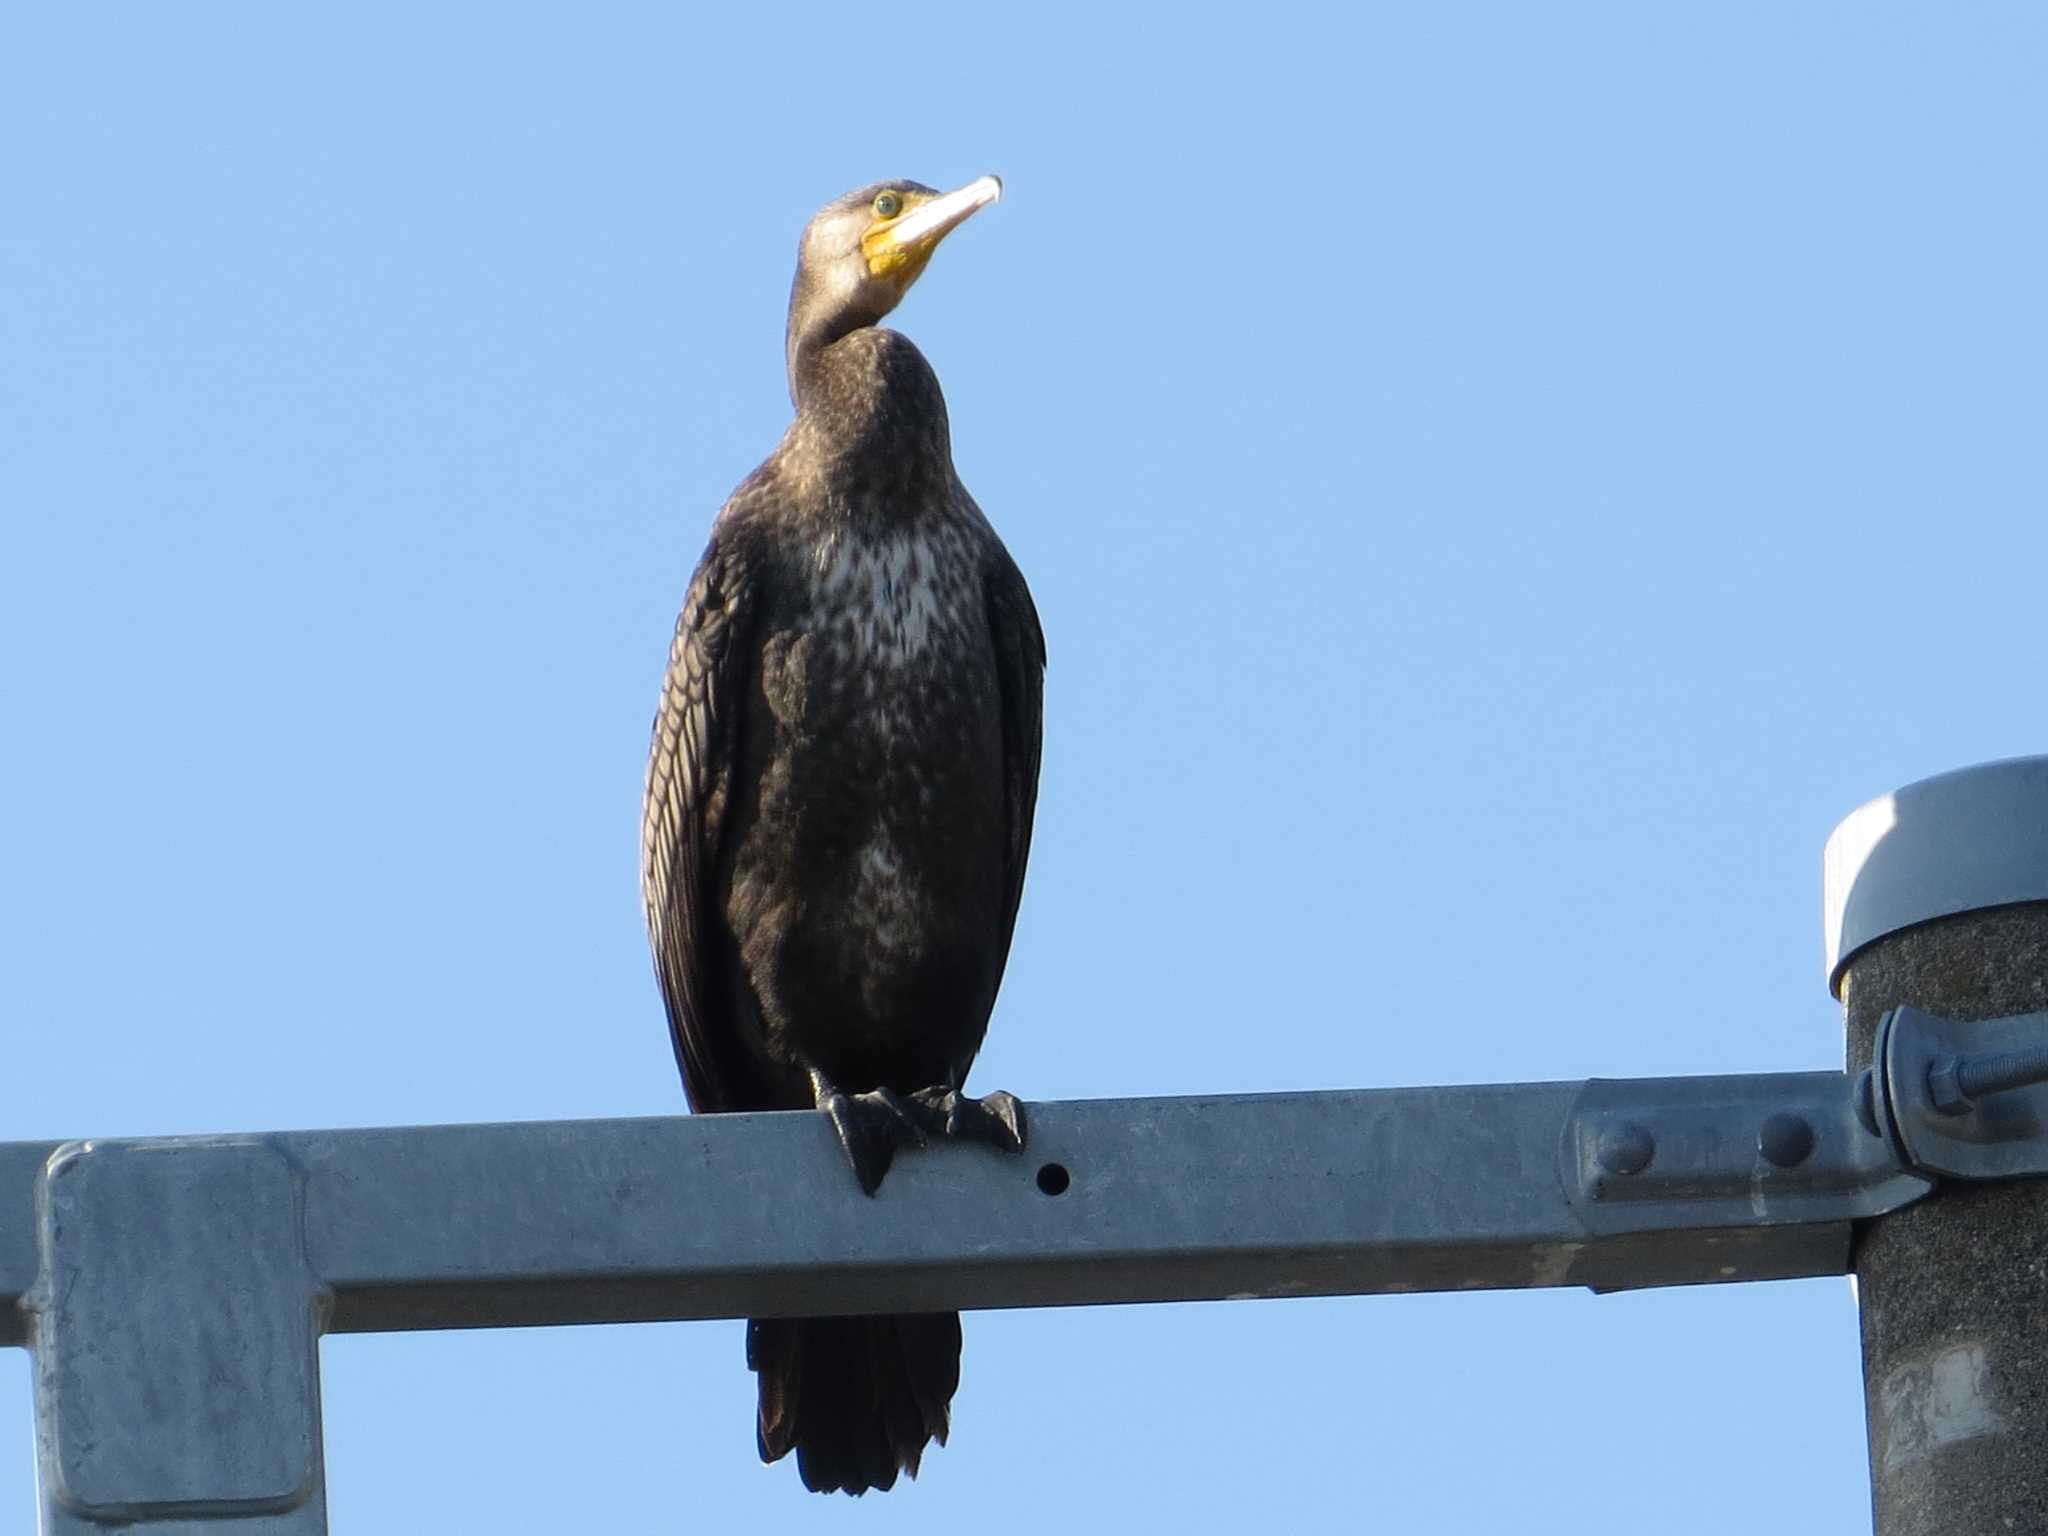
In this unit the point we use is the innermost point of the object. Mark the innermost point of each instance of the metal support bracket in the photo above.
(1964, 1101)
(1663, 1154)
(174, 1290)
(175, 1327)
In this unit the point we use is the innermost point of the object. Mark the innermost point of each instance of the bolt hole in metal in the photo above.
(1053, 1179)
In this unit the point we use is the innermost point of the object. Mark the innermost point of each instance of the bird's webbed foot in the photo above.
(996, 1121)
(871, 1127)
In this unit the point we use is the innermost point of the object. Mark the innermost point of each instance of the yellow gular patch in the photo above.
(891, 259)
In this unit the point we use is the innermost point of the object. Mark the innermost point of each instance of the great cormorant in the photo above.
(839, 803)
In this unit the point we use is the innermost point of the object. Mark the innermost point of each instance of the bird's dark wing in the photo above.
(1020, 673)
(689, 787)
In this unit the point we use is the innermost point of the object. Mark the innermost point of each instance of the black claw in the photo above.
(997, 1121)
(1007, 1110)
(871, 1127)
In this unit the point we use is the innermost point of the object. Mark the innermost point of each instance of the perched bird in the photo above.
(839, 803)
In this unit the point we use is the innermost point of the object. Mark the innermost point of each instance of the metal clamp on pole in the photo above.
(1963, 1101)
(1950, 1101)
(1767, 1149)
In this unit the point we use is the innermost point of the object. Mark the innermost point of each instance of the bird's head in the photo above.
(860, 253)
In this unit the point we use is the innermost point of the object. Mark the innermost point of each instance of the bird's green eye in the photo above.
(888, 205)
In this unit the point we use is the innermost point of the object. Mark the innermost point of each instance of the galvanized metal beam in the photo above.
(173, 1290)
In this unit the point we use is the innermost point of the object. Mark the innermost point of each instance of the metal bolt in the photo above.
(1626, 1148)
(1954, 1083)
(1944, 1086)
(1786, 1140)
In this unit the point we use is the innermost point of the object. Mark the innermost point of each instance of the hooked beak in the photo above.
(900, 249)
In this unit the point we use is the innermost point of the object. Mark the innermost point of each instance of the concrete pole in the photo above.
(1937, 896)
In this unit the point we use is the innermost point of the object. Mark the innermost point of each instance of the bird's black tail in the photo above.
(856, 1398)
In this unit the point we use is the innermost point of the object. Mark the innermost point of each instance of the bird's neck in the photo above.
(868, 401)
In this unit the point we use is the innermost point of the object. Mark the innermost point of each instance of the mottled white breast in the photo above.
(893, 608)
(892, 598)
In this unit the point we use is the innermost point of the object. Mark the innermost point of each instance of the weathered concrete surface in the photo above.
(1954, 1290)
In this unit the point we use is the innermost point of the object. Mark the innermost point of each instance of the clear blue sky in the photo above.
(1499, 480)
